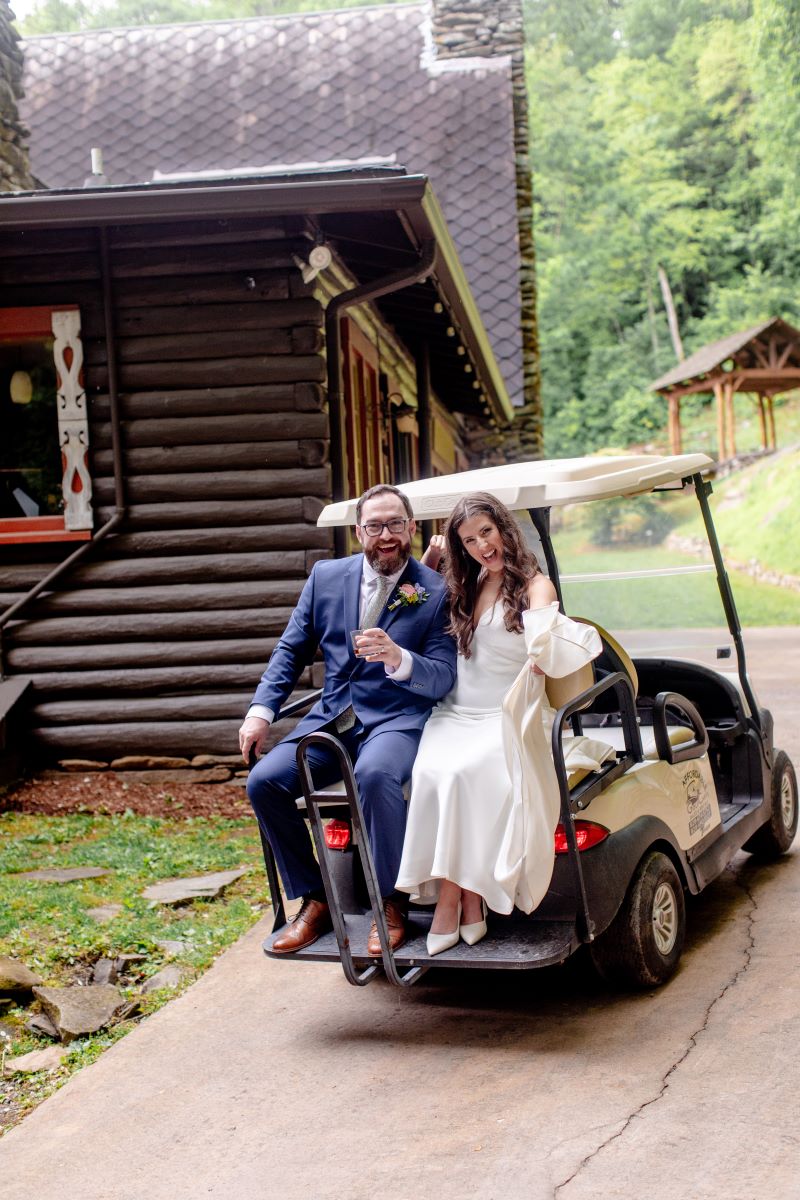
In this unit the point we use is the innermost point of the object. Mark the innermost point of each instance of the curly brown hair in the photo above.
(463, 573)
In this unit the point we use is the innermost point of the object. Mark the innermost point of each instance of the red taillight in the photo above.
(587, 834)
(337, 835)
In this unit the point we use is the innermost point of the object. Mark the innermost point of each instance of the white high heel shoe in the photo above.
(438, 942)
(477, 930)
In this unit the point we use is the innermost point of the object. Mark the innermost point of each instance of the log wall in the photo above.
(154, 643)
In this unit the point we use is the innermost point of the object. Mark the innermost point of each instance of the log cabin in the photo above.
(189, 371)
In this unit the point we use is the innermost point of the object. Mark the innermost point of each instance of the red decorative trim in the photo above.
(33, 322)
(39, 529)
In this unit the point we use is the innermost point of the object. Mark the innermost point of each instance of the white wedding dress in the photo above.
(484, 797)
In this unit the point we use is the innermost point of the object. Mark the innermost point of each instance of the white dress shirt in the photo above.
(369, 578)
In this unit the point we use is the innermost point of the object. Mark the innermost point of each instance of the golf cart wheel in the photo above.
(776, 836)
(642, 945)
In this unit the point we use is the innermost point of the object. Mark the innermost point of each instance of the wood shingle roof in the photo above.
(308, 88)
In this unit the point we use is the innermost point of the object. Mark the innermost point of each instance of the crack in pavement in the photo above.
(693, 1037)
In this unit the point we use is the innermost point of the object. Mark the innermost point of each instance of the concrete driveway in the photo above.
(270, 1079)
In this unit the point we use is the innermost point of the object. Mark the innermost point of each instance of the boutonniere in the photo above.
(408, 594)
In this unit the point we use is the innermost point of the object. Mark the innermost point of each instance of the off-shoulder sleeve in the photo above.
(556, 644)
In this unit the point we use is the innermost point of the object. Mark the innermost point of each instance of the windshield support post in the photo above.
(703, 490)
(541, 522)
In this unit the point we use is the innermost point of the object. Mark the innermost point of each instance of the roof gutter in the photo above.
(395, 281)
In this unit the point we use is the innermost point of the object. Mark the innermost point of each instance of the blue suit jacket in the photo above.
(327, 610)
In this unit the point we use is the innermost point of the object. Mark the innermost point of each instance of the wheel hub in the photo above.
(665, 918)
(788, 801)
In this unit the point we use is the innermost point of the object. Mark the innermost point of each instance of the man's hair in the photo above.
(377, 490)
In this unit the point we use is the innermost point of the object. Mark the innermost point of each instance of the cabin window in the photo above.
(364, 424)
(45, 486)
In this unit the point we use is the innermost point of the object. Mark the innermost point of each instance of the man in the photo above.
(375, 700)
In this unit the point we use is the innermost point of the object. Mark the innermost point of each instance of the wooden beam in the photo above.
(674, 418)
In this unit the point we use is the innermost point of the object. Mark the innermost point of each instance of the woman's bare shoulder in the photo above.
(541, 591)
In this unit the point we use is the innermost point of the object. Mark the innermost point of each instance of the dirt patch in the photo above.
(108, 792)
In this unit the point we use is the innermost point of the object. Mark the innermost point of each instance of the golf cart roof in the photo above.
(539, 483)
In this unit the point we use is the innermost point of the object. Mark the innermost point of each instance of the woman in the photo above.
(475, 837)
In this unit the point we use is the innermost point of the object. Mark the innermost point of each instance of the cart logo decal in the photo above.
(698, 805)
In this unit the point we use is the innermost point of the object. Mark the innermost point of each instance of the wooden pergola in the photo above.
(763, 360)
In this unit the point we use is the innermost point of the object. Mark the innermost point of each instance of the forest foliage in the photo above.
(665, 135)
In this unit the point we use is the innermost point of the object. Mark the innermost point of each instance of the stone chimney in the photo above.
(15, 173)
(472, 28)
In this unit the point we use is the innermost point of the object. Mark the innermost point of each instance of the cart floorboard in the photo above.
(512, 944)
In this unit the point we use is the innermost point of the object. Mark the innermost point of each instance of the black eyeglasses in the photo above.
(376, 528)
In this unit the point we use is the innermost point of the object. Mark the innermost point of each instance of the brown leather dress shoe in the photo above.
(313, 919)
(396, 921)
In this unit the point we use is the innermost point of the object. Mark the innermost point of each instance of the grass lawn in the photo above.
(46, 926)
(666, 602)
(757, 513)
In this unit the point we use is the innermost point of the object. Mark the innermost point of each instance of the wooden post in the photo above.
(720, 420)
(674, 424)
(730, 420)
(771, 414)
(762, 420)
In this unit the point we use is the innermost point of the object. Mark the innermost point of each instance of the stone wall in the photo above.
(15, 174)
(467, 28)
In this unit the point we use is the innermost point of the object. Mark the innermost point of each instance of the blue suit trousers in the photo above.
(382, 765)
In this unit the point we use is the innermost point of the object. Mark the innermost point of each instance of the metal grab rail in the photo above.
(621, 684)
(313, 800)
(275, 893)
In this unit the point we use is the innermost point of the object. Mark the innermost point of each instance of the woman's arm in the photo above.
(541, 592)
(435, 552)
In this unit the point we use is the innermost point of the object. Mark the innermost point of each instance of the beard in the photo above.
(388, 564)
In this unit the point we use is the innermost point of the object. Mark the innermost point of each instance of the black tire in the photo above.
(642, 945)
(776, 836)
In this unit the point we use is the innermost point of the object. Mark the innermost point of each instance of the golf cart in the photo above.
(691, 775)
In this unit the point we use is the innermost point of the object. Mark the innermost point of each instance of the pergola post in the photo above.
(674, 411)
(762, 420)
(730, 419)
(771, 414)
(720, 420)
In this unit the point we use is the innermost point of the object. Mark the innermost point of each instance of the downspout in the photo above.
(395, 281)
(116, 445)
(424, 425)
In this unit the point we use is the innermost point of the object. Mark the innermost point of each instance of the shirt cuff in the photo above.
(402, 673)
(261, 710)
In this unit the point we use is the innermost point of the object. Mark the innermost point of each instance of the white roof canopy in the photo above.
(539, 484)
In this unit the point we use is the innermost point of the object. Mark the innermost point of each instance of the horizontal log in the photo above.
(216, 541)
(216, 430)
(148, 657)
(14, 244)
(221, 706)
(176, 597)
(151, 460)
(180, 738)
(261, 564)
(69, 265)
(199, 318)
(208, 402)
(199, 678)
(254, 622)
(181, 346)
(246, 287)
(164, 261)
(217, 230)
(55, 292)
(220, 485)
(215, 372)
(203, 513)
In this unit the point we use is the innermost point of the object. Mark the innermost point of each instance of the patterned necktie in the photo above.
(347, 719)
